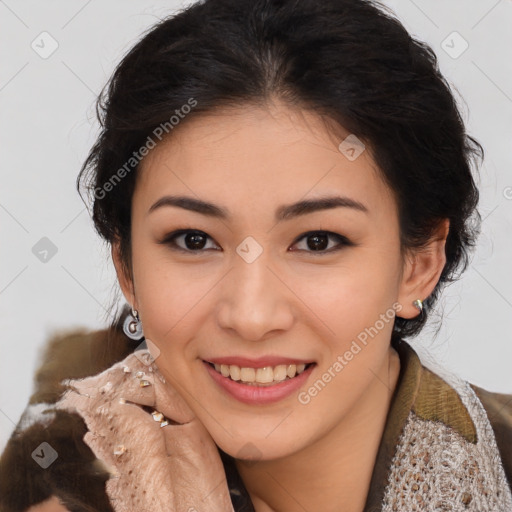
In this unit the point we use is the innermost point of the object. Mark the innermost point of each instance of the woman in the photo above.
(286, 187)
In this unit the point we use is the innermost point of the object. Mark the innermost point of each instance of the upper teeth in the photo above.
(264, 375)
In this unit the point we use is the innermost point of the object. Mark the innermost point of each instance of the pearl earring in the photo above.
(132, 326)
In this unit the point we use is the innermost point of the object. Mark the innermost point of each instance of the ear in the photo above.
(422, 270)
(125, 281)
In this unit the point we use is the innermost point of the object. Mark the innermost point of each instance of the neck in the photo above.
(334, 472)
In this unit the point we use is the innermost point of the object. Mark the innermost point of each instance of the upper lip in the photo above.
(260, 362)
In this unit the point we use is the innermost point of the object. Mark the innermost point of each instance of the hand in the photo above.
(154, 468)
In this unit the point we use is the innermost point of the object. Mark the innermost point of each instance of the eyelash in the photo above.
(171, 237)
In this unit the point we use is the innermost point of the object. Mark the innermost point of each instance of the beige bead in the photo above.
(157, 416)
(119, 449)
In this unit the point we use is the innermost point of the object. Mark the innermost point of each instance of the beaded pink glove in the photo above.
(160, 455)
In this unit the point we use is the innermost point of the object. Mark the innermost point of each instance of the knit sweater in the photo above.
(92, 436)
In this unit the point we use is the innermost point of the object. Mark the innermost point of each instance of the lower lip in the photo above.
(259, 394)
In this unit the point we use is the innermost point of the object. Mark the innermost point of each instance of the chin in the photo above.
(253, 448)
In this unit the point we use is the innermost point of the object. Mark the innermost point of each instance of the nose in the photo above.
(255, 304)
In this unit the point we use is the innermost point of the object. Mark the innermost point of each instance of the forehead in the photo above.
(249, 156)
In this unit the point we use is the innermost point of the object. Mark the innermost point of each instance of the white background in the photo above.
(48, 126)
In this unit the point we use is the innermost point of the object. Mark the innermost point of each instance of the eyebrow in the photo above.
(284, 212)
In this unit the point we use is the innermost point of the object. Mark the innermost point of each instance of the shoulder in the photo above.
(439, 398)
(498, 407)
(28, 476)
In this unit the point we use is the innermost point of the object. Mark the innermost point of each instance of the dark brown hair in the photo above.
(349, 60)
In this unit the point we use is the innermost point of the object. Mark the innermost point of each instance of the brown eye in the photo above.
(318, 241)
(194, 241)
(188, 240)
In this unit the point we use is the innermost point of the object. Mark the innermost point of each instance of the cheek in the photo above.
(163, 295)
(351, 296)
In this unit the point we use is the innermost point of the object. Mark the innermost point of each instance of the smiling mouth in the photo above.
(266, 376)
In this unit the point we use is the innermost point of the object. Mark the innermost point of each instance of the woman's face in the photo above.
(252, 288)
